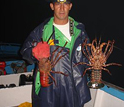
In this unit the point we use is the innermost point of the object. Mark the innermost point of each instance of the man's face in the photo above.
(61, 10)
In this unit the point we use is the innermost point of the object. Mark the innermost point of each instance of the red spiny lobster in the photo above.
(46, 65)
(97, 57)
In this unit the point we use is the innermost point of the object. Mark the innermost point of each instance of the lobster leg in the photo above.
(89, 54)
(94, 41)
(112, 64)
(106, 70)
(59, 59)
(54, 53)
(110, 50)
(59, 52)
(52, 79)
(83, 63)
(101, 46)
(86, 71)
(108, 44)
(93, 47)
(59, 73)
(86, 54)
(56, 59)
(84, 46)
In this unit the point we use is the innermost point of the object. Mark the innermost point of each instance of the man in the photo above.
(71, 90)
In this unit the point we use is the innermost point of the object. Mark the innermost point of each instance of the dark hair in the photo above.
(56, 0)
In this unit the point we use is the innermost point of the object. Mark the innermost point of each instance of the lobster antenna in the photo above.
(50, 36)
(95, 41)
(99, 41)
(95, 37)
(118, 48)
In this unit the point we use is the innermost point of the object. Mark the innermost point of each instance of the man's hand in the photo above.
(42, 50)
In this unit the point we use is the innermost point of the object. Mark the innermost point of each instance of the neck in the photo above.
(60, 22)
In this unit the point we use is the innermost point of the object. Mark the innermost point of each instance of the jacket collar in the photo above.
(49, 26)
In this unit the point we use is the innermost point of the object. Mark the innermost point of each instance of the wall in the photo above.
(104, 99)
(12, 78)
(11, 97)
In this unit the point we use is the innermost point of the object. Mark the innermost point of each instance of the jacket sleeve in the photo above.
(26, 50)
(84, 79)
(84, 37)
(88, 41)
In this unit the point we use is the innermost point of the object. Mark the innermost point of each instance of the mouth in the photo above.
(61, 13)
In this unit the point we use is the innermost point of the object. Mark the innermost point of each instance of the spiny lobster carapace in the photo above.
(97, 55)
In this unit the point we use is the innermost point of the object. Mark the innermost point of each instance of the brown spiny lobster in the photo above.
(97, 55)
(46, 65)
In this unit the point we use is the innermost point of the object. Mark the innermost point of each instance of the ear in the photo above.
(51, 6)
(70, 6)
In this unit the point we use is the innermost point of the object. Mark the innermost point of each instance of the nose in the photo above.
(62, 6)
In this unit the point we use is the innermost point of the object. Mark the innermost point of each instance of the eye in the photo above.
(57, 3)
(66, 3)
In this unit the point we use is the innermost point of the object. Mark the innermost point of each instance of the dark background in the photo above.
(103, 19)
